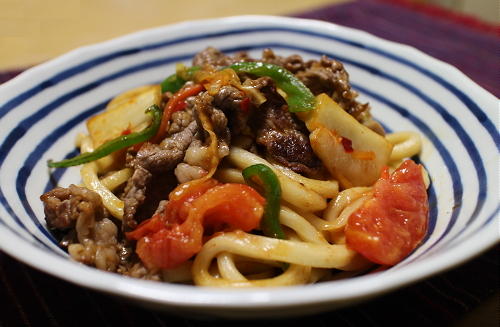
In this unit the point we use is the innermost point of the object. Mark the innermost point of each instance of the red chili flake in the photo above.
(245, 105)
(347, 144)
(127, 131)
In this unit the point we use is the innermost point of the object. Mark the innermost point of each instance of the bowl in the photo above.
(43, 109)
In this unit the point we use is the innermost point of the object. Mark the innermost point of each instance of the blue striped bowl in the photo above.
(43, 109)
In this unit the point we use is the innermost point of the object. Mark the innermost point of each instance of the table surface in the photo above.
(31, 32)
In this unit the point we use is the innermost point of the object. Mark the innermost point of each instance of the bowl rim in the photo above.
(304, 23)
(352, 289)
(251, 298)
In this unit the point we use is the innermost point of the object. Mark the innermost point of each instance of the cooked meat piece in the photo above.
(105, 232)
(134, 196)
(153, 160)
(80, 211)
(64, 206)
(285, 140)
(229, 99)
(154, 163)
(293, 63)
(158, 189)
(211, 56)
(329, 76)
(237, 106)
(180, 120)
(203, 103)
(101, 248)
(214, 57)
(219, 122)
(166, 155)
(324, 76)
(138, 270)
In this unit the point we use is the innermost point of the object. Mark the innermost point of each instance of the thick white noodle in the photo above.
(91, 181)
(301, 226)
(116, 178)
(229, 175)
(300, 255)
(405, 145)
(327, 189)
(340, 208)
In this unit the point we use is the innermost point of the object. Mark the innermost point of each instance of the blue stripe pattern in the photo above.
(18, 132)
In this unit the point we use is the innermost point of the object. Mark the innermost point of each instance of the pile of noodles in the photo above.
(313, 215)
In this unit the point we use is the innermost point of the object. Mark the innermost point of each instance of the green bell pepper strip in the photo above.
(174, 82)
(299, 97)
(268, 180)
(121, 142)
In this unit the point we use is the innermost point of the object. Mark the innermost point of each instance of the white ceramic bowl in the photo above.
(42, 110)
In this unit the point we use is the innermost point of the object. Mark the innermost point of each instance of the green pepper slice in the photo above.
(268, 180)
(121, 142)
(174, 82)
(299, 97)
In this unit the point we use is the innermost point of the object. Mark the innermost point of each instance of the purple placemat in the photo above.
(465, 296)
(8, 74)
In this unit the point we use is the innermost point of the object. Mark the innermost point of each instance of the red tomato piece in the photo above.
(148, 226)
(182, 197)
(169, 247)
(169, 239)
(236, 205)
(387, 227)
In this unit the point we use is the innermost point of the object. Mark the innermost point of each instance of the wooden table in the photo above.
(32, 31)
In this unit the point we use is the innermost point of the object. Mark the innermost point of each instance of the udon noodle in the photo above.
(255, 172)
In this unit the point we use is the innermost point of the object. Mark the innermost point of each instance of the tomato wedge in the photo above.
(170, 238)
(387, 227)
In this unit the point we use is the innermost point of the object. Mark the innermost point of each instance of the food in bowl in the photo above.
(242, 172)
